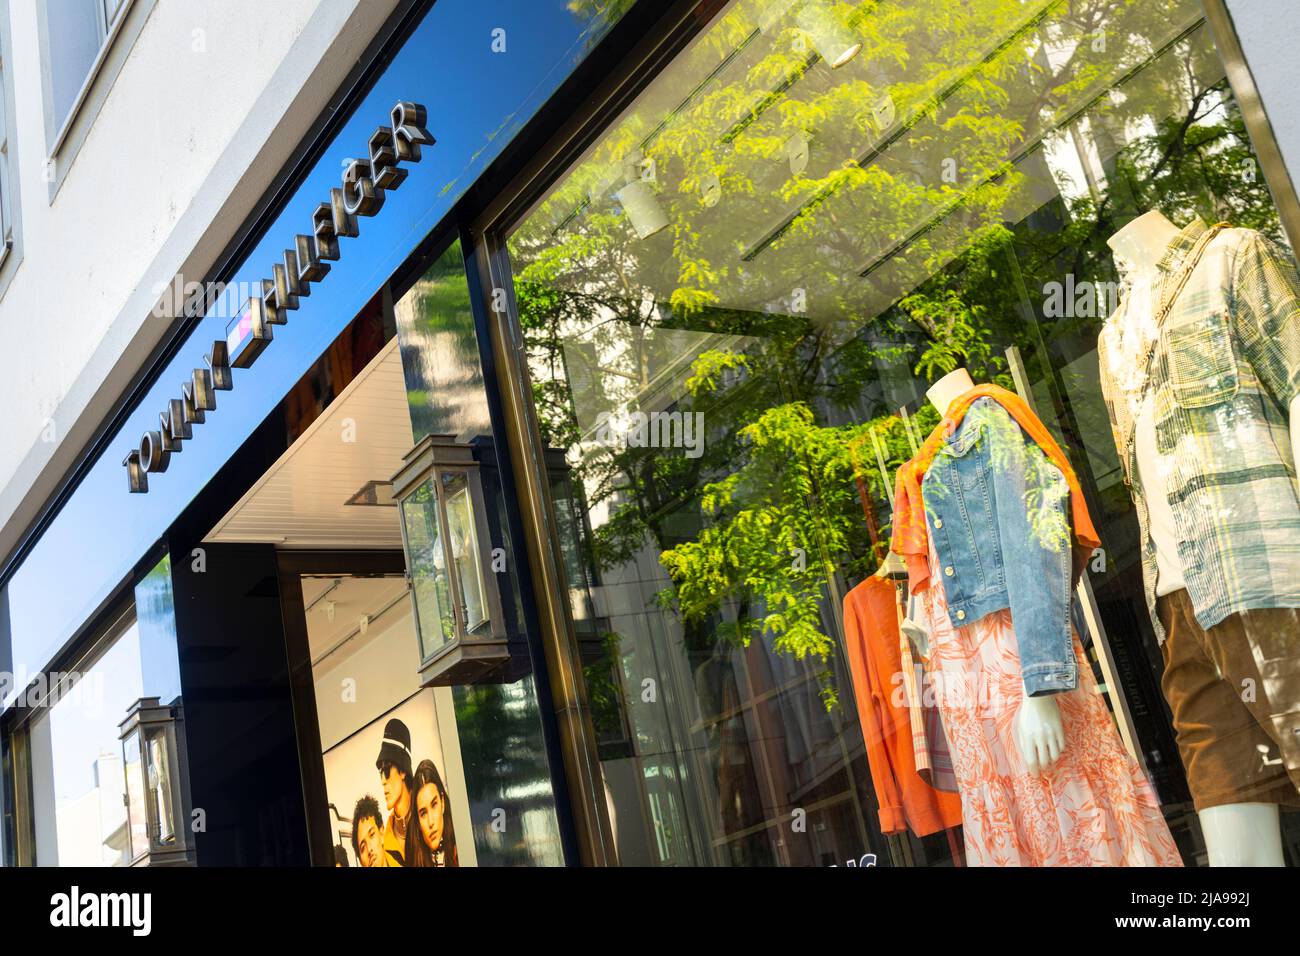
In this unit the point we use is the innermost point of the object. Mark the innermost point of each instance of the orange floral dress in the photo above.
(1094, 807)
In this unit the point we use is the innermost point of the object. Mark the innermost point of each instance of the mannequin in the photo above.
(1141, 244)
(1236, 834)
(1039, 734)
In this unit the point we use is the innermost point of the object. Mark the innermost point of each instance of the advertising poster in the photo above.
(400, 815)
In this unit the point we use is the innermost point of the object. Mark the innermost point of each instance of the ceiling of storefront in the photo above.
(302, 500)
(345, 613)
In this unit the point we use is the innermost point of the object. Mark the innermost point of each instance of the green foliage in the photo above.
(778, 521)
(932, 254)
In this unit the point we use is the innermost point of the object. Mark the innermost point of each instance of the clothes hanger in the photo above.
(892, 567)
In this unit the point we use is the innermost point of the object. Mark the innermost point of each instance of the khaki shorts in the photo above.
(1235, 694)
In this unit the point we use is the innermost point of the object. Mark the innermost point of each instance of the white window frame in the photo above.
(108, 32)
(10, 212)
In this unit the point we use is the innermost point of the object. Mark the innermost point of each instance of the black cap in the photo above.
(396, 748)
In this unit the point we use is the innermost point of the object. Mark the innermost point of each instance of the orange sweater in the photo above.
(871, 636)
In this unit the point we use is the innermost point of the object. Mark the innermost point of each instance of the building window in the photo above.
(741, 307)
(8, 208)
(76, 32)
(78, 786)
(6, 231)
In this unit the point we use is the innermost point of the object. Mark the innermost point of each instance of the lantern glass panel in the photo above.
(137, 819)
(464, 547)
(427, 562)
(161, 799)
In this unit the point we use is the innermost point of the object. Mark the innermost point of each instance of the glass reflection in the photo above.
(733, 304)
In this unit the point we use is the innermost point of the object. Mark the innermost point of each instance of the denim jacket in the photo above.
(998, 514)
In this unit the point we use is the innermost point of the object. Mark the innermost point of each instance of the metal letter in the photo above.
(153, 457)
(383, 160)
(285, 299)
(136, 479)
(270, 306)
(295, 284)
(172, 427)
(360, 197)
(218, 361)
(310, 268)
(345, 224)
(409, 131)
(322, 223)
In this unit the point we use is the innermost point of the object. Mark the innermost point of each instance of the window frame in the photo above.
(112, 626)
(64, 136)
(10, 206)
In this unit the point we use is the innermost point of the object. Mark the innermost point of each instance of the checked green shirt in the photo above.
(1225, 370)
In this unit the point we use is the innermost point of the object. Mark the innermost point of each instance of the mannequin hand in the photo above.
(1039, 733)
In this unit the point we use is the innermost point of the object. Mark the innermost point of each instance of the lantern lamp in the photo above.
(152, 760)
(458, 616)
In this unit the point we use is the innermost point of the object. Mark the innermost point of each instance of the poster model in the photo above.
(387, 791)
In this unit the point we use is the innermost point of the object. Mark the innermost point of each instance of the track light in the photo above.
(710, 190)
(642, 207)
(795, 150)
(833, 41)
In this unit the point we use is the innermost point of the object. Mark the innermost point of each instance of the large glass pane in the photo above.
(502, 745)
(427, 558)
(79, 793)
(392, 752)
(734, 304)
(465, 548)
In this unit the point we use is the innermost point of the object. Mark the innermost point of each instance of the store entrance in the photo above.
(379, 758)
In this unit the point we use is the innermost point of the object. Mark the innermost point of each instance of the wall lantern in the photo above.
(152, 760)
(458, 616)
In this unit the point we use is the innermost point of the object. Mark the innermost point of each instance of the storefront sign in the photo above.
(360, 194)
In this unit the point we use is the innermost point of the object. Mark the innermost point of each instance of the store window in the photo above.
(78, 783)
(96, 770)
(1065, 633)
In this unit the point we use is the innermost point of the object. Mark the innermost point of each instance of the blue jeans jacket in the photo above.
(998, 513)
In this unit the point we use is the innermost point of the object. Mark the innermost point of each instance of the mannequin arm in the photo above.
(1038, 732)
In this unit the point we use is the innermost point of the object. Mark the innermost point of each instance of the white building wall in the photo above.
(208, 106)
(1269, 31)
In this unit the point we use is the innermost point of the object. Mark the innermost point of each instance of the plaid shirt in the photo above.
(1224, 372)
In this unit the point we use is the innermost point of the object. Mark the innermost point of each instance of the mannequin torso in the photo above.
(1236, 834)
(1039, 734)
(1138, 248)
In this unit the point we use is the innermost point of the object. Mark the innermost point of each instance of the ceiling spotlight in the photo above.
(642, 207)
(832, 40)
(796, 151)
(883, 113)
(710, 190)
